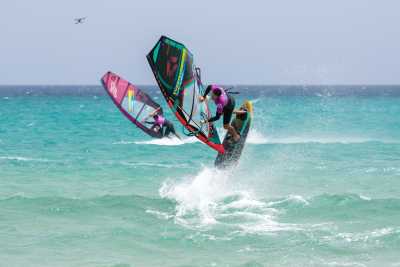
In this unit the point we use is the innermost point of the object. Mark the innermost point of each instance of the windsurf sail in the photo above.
(135, 104)
(180, 83)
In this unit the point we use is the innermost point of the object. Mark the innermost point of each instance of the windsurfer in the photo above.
(225, 106)
(160, 123)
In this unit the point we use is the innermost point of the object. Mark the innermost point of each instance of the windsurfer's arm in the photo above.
(203, 97)
(207, 91)
(240, 112)
(155, 112)
(151, 114)
(215, 118)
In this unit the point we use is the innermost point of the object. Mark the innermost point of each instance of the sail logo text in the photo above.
(114, 89)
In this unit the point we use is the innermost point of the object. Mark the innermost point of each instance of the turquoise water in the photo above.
(317, 185)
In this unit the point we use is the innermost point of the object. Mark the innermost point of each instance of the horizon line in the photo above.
(227, 84)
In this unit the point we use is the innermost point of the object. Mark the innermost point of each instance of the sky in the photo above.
(234, 42)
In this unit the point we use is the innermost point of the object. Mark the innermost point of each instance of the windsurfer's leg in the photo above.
(153, 128)
(166, 131)
(232, 132)
(169, 128)
(228, 111)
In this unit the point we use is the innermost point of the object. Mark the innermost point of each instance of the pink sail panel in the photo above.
(134, 104)
(115, 86)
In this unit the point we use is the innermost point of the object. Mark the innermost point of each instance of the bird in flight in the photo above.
(80, 20)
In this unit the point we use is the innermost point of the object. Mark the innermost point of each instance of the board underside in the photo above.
(233, 150)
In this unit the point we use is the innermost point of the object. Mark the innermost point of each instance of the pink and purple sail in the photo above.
(135, 104)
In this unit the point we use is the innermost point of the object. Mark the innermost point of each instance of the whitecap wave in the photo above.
(124, 142)
(209, 199)
(256, 137)
(344, 264)
(368, 236)
(290, 199)
(159, 214)
(322, 140)
(17, 158)
(152, 164)
(168, 141)
(196, 197)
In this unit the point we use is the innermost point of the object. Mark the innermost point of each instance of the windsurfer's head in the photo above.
(215, 91)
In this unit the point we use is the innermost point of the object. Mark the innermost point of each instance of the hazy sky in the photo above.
(235, 42)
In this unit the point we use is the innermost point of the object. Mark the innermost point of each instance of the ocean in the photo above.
(318, 183)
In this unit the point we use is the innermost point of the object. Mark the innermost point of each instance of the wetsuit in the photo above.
(169, 128)
(225, 104)
(165, 125)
